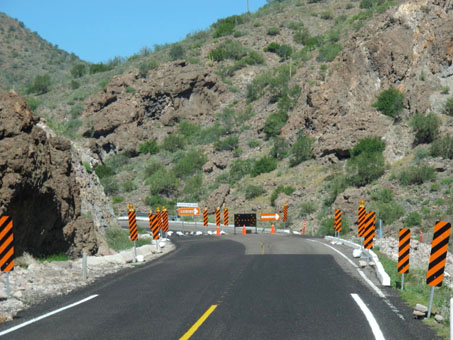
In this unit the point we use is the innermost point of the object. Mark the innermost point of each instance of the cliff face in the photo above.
(38, 188)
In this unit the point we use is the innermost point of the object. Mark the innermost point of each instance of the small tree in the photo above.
(426, 128)
(176, 52)
(448, 108)
(78, 70)
(390, 103)
(41, 84)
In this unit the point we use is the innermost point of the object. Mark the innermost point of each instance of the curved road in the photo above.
(255, 286)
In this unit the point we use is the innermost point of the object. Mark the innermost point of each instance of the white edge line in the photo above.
(370, 318)
(372, 285)
(367, 280)
(12, 329)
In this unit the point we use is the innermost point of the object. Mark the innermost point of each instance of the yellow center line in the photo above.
(197, 324)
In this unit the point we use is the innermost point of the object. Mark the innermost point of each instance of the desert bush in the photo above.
(334, 187)
(281, 189)
(152, 167)
(189, 164)
(78, 70)
(227, 144)
(189, 129)
(163, 182)
(74, 84)
(426, 128)
(301, 36)
(252, 191)
(40, 85)
(280, 148)
(274, 123)
(101, 67)
(263, 165)
(176, 52)
(239, 168)
(146, 66)
(33, 103)
(226, 26)
(273, 31)
(301, 150)
(390, 103)
(385, 207)
(416, 175)
(448, 106)
(148, 147)
(442, 147)
(328, 52)
(228, 50)
(128, 186)
(110, 185)
(367, 161)
(307, 208)
(413, 219)
(103, 171)
(193, 188)
(173, 142)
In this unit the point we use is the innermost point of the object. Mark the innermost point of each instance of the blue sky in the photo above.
(98, 30)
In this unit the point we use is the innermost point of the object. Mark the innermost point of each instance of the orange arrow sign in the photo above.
(188, 211)
(270, 217)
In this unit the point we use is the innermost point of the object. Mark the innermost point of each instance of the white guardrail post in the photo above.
(451, 319)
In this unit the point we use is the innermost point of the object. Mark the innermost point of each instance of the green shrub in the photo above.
(426, 128)
(103, 171)
(117, 161)
(176, 52)
(301, 150)
(117, 199)
(78, 70)
(328, 52)
(443, 147)
(110, 185)
(74, 84)
(307, 208)
(444, 89)
(280, 148)
(239, 168)
(40, 85)
(158, 201)
(163, 182)
(192, 162)
(210, 134)
(263, 165)
(76, 110)
(229, 143)
(226, 26)
(193, 188)
(188, 129)
(33, 103)
(146, 66)
(335, 187)
(384, 195)
(253, 143)
(281, 189)
(152, 167)
(87, 167)
(416, 175)
(274, 123)
(128, 186)
(413, 219)
(173, 143)
(273, 31)
(301, 36)
(272, 47)
(390, 103)
(367, 161)
(101, 67)
(228, 50)
(130, 89)
(252, 191)
(448, 106)
(148, 147)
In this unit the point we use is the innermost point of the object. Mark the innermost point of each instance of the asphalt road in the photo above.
(264, 287)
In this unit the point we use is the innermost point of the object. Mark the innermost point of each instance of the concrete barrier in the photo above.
(382, 276)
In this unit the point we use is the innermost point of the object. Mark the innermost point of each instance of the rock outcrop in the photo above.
(38, 188)
(130, 108)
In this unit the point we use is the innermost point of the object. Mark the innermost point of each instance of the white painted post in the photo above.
(7, 285)
(451, 319)
(135, 252)
(84, 266)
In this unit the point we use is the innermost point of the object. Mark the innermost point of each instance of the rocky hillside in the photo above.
(25, 55)
(320, 104)
(39, 189)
